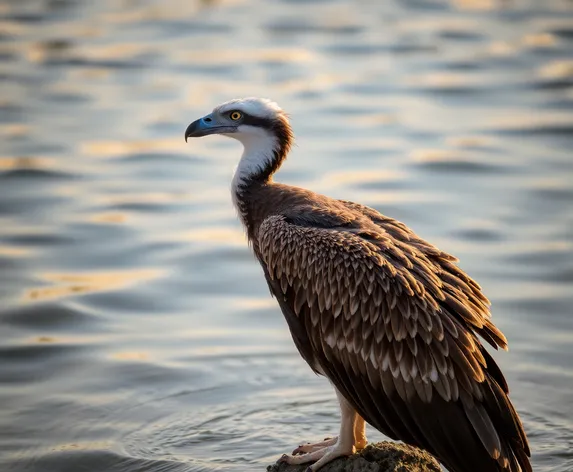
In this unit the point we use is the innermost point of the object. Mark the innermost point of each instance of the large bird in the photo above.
(387, 317)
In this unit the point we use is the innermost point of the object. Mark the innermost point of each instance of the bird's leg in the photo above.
(360, 440)
(343, 445)
(359, 435)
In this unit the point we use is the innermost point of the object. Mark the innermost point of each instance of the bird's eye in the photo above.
(235, 115)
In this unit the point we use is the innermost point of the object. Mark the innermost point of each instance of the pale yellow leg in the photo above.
(350, 438)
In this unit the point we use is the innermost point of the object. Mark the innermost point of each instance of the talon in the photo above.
(283, 458)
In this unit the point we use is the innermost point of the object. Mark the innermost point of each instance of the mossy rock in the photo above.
(381, 457)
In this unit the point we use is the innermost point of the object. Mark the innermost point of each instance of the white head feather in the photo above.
(259, 107)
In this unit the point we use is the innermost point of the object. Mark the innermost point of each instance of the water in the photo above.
(136, 330)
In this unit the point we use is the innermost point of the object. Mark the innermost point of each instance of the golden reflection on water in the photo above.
(377, 197)
(79, 283)
(343, 178)
(226, 56)
(114, 149)
(255, 303)
(25, 162)
(502, 48)
(64, 87)
(539, 40)
(144, 198)
(65, 340)
(445, 80)
(557, 70)
(130, 356)
(520, 122)
(549, 183)
(377, 119)
(109, 217)
(14, 130)
(12, 28)
(99, 73)
(436, 155)
(168, 10)
(42, 52)
(478, 4)
(469, 141)
(216, 235)
(15, 251)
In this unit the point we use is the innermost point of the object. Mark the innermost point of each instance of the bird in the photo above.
(388, 318)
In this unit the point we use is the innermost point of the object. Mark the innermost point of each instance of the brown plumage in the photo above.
(390, 319)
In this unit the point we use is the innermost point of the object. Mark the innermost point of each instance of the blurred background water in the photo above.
(136, 330)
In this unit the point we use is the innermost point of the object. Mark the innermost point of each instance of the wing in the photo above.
(466, 289)
(395, 332)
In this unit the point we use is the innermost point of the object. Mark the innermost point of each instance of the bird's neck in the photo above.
(263, 154)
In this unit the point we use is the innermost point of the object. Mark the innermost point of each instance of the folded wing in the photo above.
(392, 322)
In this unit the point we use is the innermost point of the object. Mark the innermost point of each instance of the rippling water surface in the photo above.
(136, 330)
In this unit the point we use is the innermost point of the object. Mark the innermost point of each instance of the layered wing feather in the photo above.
(391, 320)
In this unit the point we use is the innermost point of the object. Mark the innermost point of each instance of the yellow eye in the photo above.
(235, 115)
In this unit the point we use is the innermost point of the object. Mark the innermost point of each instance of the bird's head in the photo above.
(248, 120)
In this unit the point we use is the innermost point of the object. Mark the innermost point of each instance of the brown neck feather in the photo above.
(248, 187)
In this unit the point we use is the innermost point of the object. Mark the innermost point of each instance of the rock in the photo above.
(381, 457)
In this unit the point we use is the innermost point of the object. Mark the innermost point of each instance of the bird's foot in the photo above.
(311, 447)
(321, 455)
(305, 448)
(361, 442)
